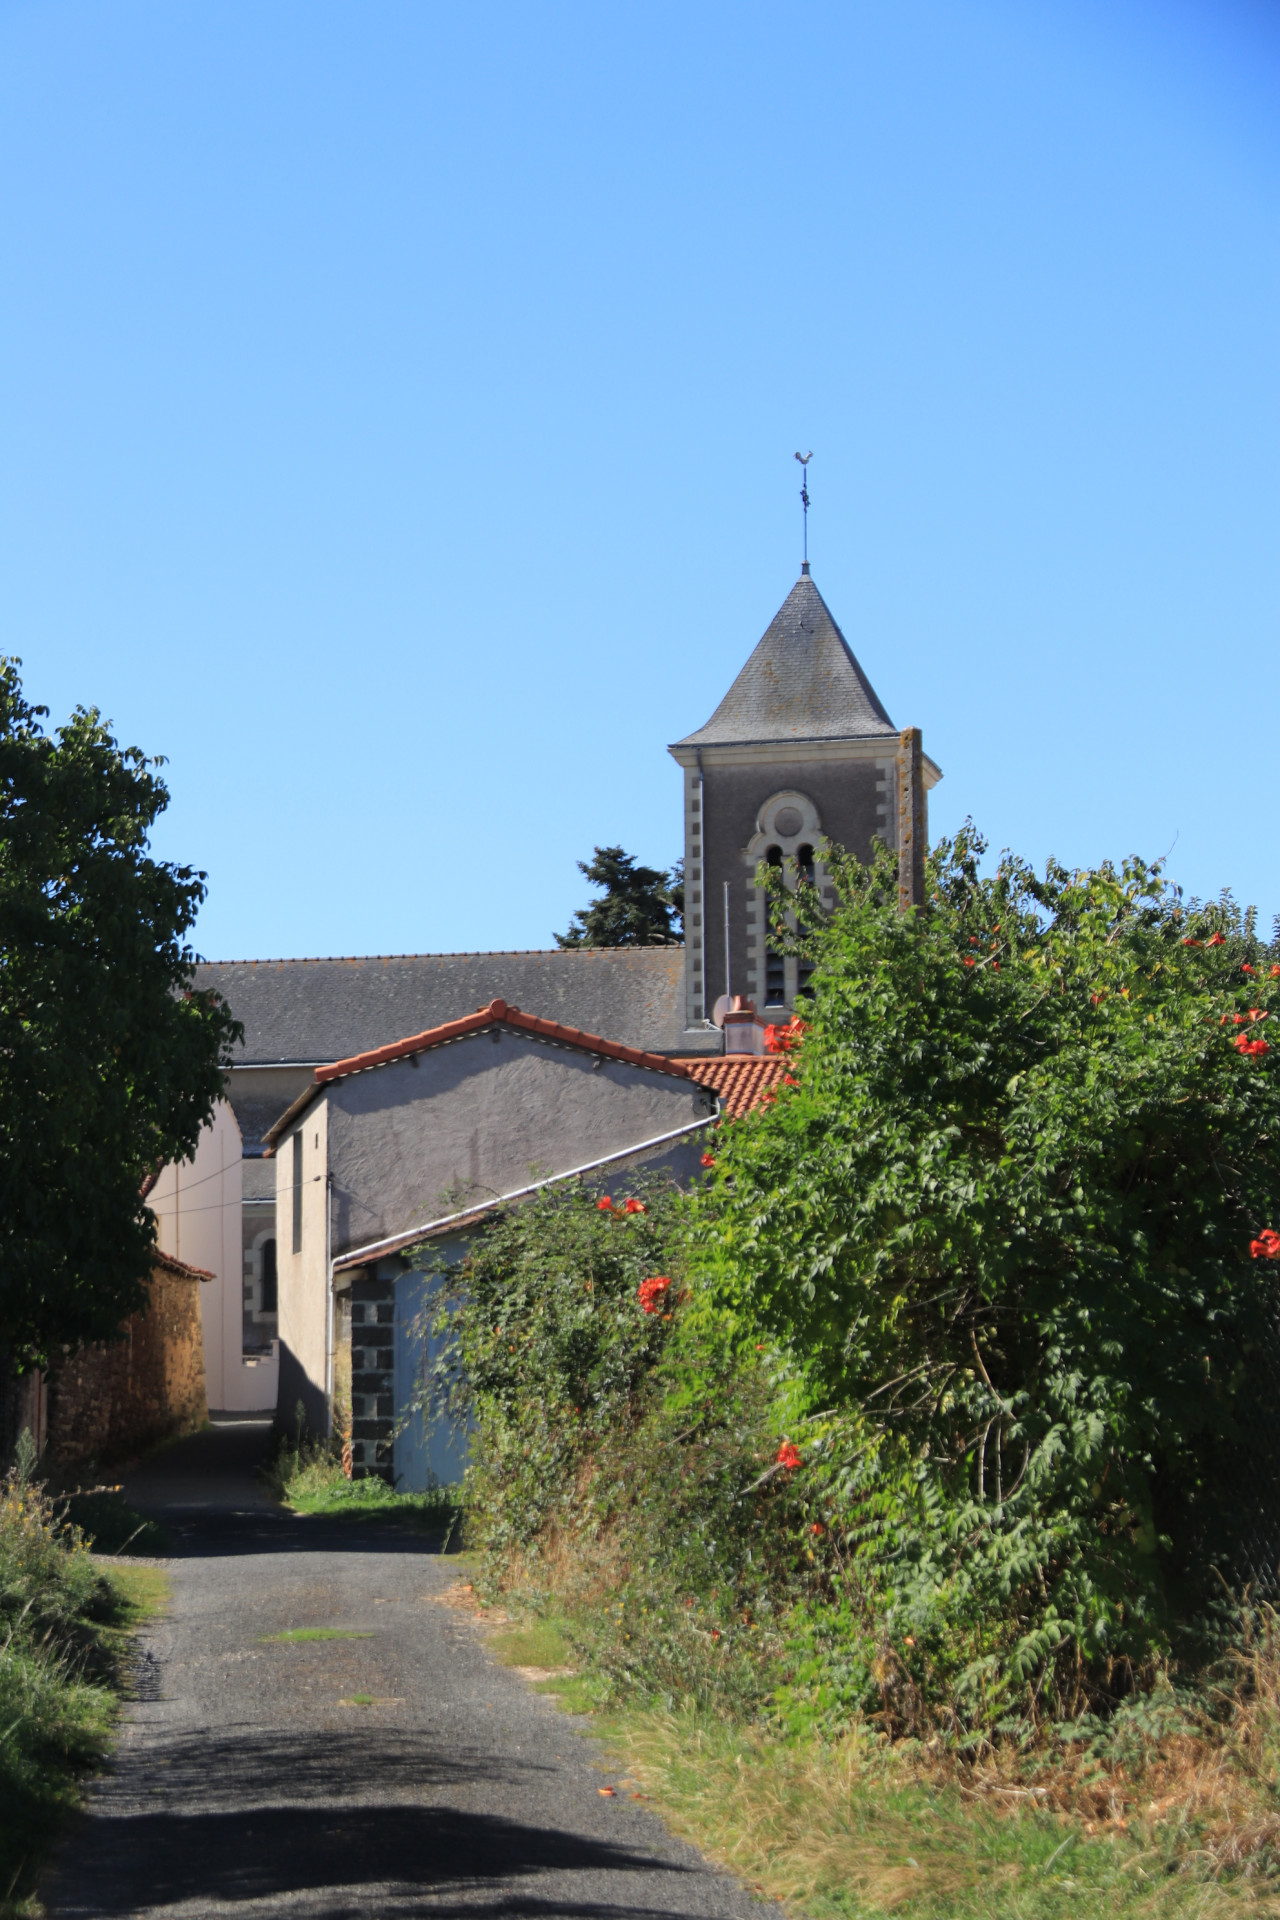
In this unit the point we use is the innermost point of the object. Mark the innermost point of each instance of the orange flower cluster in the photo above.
(652, 1293)
(1251, 1049)
(1266, 1246)
(1217, 940)
(789, 1456)
(708, 1159)
(782, 1039)
(629, 1206)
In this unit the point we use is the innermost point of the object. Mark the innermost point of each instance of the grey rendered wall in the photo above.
(480, 1117)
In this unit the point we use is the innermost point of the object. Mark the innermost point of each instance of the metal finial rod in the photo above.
(804, 459)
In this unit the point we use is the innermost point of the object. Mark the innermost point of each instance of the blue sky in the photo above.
(398, 407)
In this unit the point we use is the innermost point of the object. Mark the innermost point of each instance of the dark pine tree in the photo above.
(640, 907)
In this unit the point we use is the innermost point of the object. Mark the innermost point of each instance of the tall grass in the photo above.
(60, 1670)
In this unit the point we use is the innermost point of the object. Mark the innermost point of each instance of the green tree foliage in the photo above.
(552, 1338)
(641, 907)
(972, 1327)
(1006, 1215)
(109, 1064)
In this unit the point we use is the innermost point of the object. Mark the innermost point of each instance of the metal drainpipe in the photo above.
(329, 1305)
(702, 883)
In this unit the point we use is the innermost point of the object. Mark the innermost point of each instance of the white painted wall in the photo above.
(197, 1205)
(302, 1266)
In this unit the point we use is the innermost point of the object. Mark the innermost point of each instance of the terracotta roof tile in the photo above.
(498, 1013)
(740, 1081)
(179, 1268)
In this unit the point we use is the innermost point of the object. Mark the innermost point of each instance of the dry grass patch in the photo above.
(847, 1830)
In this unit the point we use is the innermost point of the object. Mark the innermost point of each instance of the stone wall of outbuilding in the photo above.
(113, 1399)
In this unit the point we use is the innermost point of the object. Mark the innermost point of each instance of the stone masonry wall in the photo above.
(114, 1399)
(373, 1360)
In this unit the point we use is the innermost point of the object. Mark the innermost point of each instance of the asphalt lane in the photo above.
(394, 1772)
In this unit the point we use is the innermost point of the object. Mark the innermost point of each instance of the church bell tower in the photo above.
(799, 750)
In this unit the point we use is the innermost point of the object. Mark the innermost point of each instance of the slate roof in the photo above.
(319, 1011)
(801, 683)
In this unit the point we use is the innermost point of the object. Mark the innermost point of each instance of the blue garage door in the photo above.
(430, 1447)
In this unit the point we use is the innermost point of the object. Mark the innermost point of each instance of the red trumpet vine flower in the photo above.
(652, 1293)
(1266, 1246)
(789, 1456)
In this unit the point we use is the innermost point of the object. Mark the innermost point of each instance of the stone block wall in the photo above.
(373, 1361)
(112, 1400)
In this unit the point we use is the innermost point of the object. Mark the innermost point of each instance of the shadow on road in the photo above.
(208, 1493)
(426, 1852)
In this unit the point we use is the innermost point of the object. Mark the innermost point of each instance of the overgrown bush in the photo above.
(1007, 1218)
(552, 1342)
(944, 1418)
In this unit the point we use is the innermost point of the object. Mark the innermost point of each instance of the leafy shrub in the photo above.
(945, 1416)
(1003, 1217)
(552, 1342)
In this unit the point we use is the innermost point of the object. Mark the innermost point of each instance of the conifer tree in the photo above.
(641, 906)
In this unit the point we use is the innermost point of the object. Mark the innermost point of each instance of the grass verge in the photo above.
(66, 1622)
(310, 1480)
(850, 1830)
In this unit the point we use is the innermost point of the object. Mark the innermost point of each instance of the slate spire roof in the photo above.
(801, 683)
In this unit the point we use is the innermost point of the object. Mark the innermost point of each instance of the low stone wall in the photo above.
(112, 1400)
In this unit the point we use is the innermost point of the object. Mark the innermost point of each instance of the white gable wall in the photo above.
(197, 1204)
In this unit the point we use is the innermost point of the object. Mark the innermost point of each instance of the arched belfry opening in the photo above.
(800, 752)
